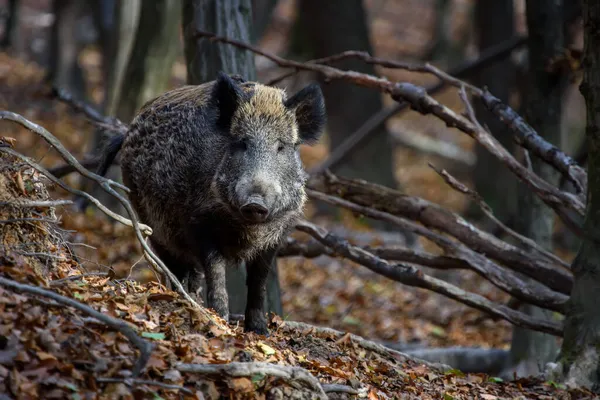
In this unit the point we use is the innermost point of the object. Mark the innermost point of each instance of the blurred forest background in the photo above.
(118, 55)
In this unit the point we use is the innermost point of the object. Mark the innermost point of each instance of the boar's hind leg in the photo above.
(179, 269)
(257, 272)
(216, 288)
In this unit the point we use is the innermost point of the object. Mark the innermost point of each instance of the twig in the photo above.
(341, 152)
(337, 388)
(242, 369)
(143, 346)
(58, 282)
(435, 217)
(88, 110)
(420, 101)
(146, 229)
(458, 186)
(312, 249)
(35, 203)
(411, 276)
(53, 141)
(530, 291)
(131, 382)
(66, 169)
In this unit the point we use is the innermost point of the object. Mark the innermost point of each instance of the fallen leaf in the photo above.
(243, 385)
(267, 350)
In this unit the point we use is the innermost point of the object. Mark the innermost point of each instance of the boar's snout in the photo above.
(255, 209)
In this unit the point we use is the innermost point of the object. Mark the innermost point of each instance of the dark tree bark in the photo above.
(153, 54)
(231, 18)
(11, 25)
(64, 70)
(543, 111)
(580, 353)
(494, 24)
(330, 27)
(262, 11)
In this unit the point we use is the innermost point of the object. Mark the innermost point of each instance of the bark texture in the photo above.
(494, 21)
(543, 110)
(580, 353)
(334, 26)
(231, 18)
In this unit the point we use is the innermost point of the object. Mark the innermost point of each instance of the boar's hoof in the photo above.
(256, 322)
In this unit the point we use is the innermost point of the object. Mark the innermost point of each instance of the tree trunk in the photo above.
(262, 11)
(116, 56)
(64, 70)
(495, 24)
(231, 18)
(152, 57)
(11, 25)
(580, 353)
(332, 27)
(531, 350)
(329, 27)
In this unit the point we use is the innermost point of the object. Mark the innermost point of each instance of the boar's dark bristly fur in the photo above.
(215, 170)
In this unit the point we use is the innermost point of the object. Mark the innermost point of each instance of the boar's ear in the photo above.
(227, 95)
(309, 107)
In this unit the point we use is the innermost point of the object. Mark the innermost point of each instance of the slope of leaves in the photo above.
(52, 351)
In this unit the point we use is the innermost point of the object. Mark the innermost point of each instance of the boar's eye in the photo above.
(240, 145)
(280, 147)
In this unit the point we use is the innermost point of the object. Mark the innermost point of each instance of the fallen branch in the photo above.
(143, 346)
(132, 382)
(487, 210)
(35, 203)
(145, 228)
(411, 276)
(242, 369)
(433, 216)
(313, 249)
(466, 359)
(529, 291)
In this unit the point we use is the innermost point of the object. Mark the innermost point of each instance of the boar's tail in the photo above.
(110, 153)
(106, 159)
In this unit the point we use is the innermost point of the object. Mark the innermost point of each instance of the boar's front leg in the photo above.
(256, 280)
(216, 289)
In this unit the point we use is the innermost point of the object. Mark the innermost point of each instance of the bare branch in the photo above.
(94, 115)
(143, 346)
(457, 185)
(53, 141)
(411, 276)
(312, 249)
(146, 229)
(35, 203)
(511, 282)
(435, 217)
(242, 369)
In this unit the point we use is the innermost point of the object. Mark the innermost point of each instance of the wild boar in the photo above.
(215, 170)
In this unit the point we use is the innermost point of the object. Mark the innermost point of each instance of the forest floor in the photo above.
(51, 352)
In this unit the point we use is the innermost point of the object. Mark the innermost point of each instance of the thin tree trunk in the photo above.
(11, 25)
(116, 54)
(64, 70)
(495, 24)
(231, 18)
(531, 350)
(152, 57)
(262, 11)
(580, 353)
